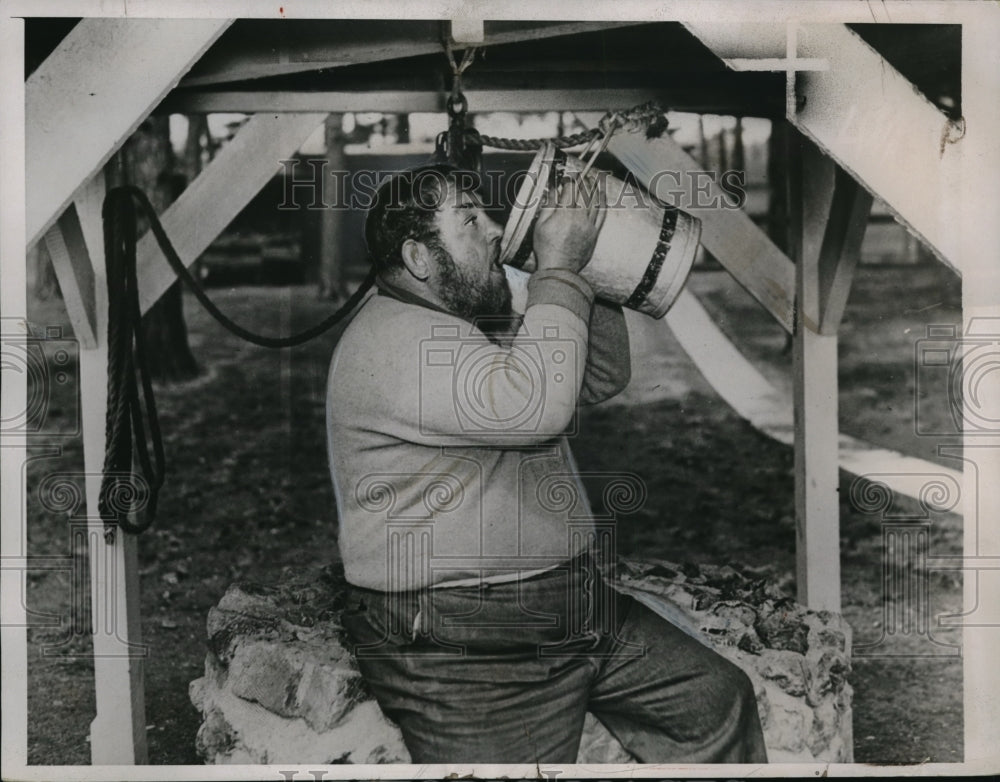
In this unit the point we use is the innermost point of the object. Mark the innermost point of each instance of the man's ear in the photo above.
(416, 258)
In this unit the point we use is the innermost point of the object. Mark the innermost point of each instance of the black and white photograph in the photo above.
(499, 390)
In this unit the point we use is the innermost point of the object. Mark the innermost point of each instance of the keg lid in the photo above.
(527, 203)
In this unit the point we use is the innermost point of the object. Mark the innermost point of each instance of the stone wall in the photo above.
(798, 660)
(280, 687)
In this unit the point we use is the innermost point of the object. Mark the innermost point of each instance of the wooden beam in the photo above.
(846, 222)
(740, 40)
(71, 263)
(814, 373)
(866, 115)
(873, 122)
(742, 386)
(980, 235)
(75, 254)
(728, 233)
(234, 61)
(242, 167)
(14, 406)
(91, 93)
(469, 30)
(118, 731)
(400, 101)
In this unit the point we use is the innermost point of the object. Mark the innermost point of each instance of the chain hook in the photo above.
(458, 145)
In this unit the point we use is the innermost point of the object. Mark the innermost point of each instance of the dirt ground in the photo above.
(248, 496)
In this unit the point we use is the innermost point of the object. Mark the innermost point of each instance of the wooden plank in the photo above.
(841, 249)
(980, 235)
(815, 389)
(740, 40)
(866, 115)
(729, 234)
(399, 101)
(91, 93)
(750, 394)
(233, 60)
(466, 29)
(65, 244)
(76, 244)
(242, 167)
(118, 732)
(745, 389)
(14, 404)
(873, 121)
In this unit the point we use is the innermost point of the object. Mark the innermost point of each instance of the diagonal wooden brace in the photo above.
(91, 93)
(729, 234)
(219, 193)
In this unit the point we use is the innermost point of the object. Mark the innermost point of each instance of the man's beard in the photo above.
(487, 304)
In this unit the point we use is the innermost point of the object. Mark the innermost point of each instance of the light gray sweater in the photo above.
(449, 453)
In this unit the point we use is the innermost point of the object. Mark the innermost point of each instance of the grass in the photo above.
(248, 495)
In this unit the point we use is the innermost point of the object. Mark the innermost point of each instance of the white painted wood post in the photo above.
(14, 404)
(814, 370)
(71, 262)
(980, 231)
(118, 732)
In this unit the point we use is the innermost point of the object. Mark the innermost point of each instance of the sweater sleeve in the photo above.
(609, 361)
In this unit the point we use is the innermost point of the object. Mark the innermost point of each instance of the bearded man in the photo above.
(477, 612)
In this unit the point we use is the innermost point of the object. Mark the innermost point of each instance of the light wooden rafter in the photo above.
(729, 234)
(863, 113)
(242, 167)
(84, 100)
(399, 101)
(288, 56)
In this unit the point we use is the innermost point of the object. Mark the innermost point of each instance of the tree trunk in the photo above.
(739, 154)
(331, 265)
(777, 184)
(46, 282)
(148, 163)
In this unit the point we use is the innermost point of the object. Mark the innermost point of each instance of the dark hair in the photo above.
(404, 207)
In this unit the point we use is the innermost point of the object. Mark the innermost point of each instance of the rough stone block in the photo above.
(281, 687)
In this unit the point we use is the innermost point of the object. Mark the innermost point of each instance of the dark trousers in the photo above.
(506, 673)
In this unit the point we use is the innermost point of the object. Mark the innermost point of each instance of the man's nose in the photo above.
(494, 231)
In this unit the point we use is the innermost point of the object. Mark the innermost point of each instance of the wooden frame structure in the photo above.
(90, 79)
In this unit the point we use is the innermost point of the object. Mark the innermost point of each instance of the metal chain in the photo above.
(530, 144)
(647, 117)
(463, 145)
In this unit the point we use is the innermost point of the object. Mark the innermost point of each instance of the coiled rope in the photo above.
(122, 492)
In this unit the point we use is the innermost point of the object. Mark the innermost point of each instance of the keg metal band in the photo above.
(649, 277)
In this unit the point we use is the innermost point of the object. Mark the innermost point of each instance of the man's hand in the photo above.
(567, 229)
